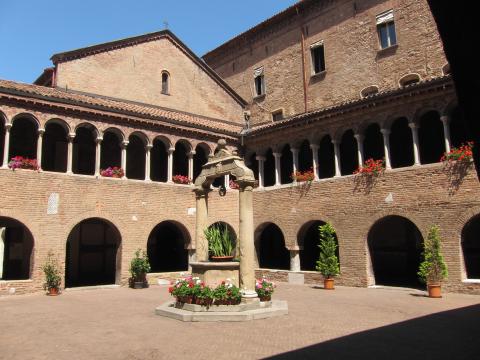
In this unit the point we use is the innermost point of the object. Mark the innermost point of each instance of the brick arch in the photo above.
(141, 135)
(87, 125)
(26, 115)
(67, 127)
(185, 142)
(190, 244)
(164, 139)
(4, 118)
(281, 257)
(115, 130)
(421, 226)
(208, 148)
(458, 229)
(436, 107)
(302, 229)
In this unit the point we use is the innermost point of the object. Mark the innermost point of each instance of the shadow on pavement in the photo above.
(453, 334)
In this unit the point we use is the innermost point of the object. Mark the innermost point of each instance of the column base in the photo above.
(249, 295)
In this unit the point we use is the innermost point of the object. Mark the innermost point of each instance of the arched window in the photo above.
(432, 139)
(200, 158)
(23, 138)
(373, 145)
(409, 79)
(401, 144)
(348, 153)
(111, 150)
(136, 157)
(2, 138)
(84, 150)
(286, 165)
(159, 161)
(326, 158)
(269, 169)
(305, 157)
(165, 83)
(54, 148)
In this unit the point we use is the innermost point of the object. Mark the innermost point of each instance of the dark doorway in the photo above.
(136, 154)
(23, 138)
(396, 247)
(55, 147)
(431, 137)
(93, 254)
(16, 245)
(471, 247)
(166, 247)
(84, 150)
(111, 150)
(271, 250)
(309, 238)
(348, 153)
(401, 144)
(326, 158)
(159, 161)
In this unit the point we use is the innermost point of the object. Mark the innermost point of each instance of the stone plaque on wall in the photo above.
(52, 207)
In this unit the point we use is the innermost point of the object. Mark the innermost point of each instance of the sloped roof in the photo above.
(131, 41)
(113, 105)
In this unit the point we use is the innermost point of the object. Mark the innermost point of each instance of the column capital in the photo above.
(124, 143)
(8, 126)
(335, 142)
(277, 155)
(359, 137)
(170, 151)
(445, 119)
(413, 125)
(260, 158)
(191, 154)
(314, 146)
(99, 139)
(41, 131)
(148, 147)
(294, 150)
(71, 136)
(385, 131)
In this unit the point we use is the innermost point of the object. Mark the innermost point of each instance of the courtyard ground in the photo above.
(348, 323)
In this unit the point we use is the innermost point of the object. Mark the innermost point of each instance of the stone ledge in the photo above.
(277, 308)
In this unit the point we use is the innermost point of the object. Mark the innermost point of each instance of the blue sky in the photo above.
(33, 30)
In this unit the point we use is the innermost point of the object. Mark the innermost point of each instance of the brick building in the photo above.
(325, 84)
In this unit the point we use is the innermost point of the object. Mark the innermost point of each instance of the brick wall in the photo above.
(353, 59)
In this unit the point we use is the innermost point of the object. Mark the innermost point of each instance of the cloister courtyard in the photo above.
(347, 323)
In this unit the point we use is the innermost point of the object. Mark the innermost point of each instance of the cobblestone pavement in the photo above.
(348, 323)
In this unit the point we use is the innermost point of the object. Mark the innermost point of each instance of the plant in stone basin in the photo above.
(52, 274)
(433, 269)
(139, 267)
(220, 242)
(328, 264)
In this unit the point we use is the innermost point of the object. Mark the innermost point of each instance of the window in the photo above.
(277, 115)
(409, 79)
(386, 29)
(369, 91)
(259, 82)
(318, 57)
(165, 83)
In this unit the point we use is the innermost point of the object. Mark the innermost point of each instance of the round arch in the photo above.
(395, 245)
(136, 155)
(84, 149)
(270, 247)
(93, 253)
(55, 145)
(16, 250)
(167, 247)
(111, 148)
(470, 241)
(24, 136)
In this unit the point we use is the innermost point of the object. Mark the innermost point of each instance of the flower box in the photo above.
(19, 162)
(306, 176)
(180, 179)
(371, 167)
(462, 153)
(113, 172)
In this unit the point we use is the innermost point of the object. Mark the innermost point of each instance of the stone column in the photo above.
(247, 247)
(386, 147)
(190, 165)
(148, 147)
(294, 260)
(124, 158)
(227, 181)
(40, 147)
(314, 148)
(360, 152)
(278, 169)
(97, 155)
(261, 170)
(201, 243)
(416, 147)
(191, 258)
(336, 148)
(70, 138)
(170, 165)
(295, 159)
(2, 249)
(446, 131)
(6, 145)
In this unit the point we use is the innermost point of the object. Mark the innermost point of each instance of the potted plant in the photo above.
(180, 179)
(19, 162)
(227, 294)
(328, 264)
(220, 243)
(264, 289)
(306, 176)
(113, 172)
(433, 269)
(52, 275)
(183, 289)
(462, 153)
(371, 167)
(139, 267)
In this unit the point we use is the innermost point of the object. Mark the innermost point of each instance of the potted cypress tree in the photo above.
(139, 267)
(433, 269)
(328, 264)
(52, 275)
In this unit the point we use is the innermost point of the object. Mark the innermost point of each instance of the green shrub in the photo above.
(139, 265)
(52, 273)
(433, 268)
(220, 242)
(328, 264)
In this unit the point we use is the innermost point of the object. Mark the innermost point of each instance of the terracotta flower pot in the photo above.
(265, 298)
(221, 258)
(434, 290)
(52, 292)
(328, 284)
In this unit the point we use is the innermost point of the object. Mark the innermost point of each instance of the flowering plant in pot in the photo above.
(180, 179)
(264, 289)
(114, 172)
(139, 267)
(328, 264)
(433, 269)
(182, 290)
(227, 294)
(19, 162)
(306, 176)
(220, 242)
(52, 275)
